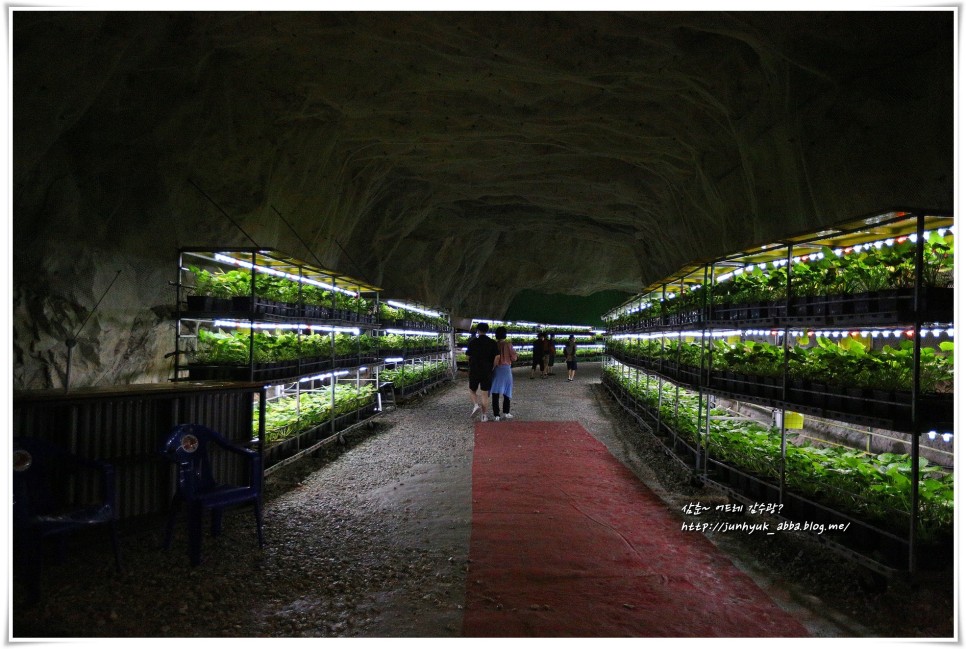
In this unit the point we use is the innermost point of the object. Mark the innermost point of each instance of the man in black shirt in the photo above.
(481, 351)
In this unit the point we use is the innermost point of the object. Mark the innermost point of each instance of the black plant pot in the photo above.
(266, 307)
(818, 397)
(894, 300)
(796, 391)
(863, 303)
(717, 380)
(902, 407)
(208, 304)
(734, 479)
(242, 304)
(937, 408)
(937, 302)
(799, 307)
(882, 403)
(741, 385)
(752, 387)
(883, 398)
(688, 374)
(839, 305)
(835, 399)
(669, 369)
(289, 310)
(818, 305)
(773, 385)
(777, 309)
(200, 372)
(856, 399)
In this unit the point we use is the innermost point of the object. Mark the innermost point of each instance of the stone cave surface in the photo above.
(453, 159)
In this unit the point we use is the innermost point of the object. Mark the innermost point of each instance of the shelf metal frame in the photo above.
(889, 224)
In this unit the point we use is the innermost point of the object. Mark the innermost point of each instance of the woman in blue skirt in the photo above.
(502, 375)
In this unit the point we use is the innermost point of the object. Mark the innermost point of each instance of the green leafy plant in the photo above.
(292, 415)
(872, 487)
(938, 261)
(411, 373)
(748, 357)
(843, 362)
(219, 348)
(229, 284)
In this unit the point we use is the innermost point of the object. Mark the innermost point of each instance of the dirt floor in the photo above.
(370, 539)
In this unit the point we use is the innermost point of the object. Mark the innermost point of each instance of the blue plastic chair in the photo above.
(191, 448)
(46, 482)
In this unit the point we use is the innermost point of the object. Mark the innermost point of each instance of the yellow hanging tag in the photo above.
(794, 420)
(865, 341)
(734, 340)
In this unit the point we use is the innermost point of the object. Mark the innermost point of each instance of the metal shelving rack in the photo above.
(292, 379)
(254, 312)
(910, 313)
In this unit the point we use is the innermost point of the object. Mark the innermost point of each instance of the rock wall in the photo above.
(453, 159)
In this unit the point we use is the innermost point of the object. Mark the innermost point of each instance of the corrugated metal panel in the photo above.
(126, 430)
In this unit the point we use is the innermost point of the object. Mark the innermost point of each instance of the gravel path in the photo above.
(370, 538)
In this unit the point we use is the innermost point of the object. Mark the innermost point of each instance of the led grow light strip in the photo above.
(416, 309)
(539, 325)
(875, 333)
(283, 325)
(562, 336)
(271, 271)
(320, 377)
(816, 256)
(685, 334)
(840, 333)
(406, 332)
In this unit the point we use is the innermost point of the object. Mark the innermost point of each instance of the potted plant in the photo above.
(211, 293)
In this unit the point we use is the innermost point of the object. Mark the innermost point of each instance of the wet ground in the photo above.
(370, 539)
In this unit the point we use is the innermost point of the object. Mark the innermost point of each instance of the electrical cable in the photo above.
(230, 220)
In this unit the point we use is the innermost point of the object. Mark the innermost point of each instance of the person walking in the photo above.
(537, 356)
(481, 350)
(502, 375)
(570, 356)
(545, 354)
(552, 350)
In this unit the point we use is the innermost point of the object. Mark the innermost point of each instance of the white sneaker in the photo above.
(476, 409)
(496, 419)
(507, 415)
(484, 418)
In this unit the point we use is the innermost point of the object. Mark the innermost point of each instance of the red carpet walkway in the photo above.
(567, 542)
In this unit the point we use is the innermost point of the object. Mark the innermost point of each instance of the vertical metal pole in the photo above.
(637, 389)
(332, 381)
(916, 432)
(707, 434)
(251, 323)
(781, 464)
(177, 321)
(262, 398)
(677, 386)
(300, 312)
(788, 283)
(784, 437)
(704, 376)
(660, 405)
(298, 396)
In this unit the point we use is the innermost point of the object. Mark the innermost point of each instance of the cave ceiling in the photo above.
(457, 159)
